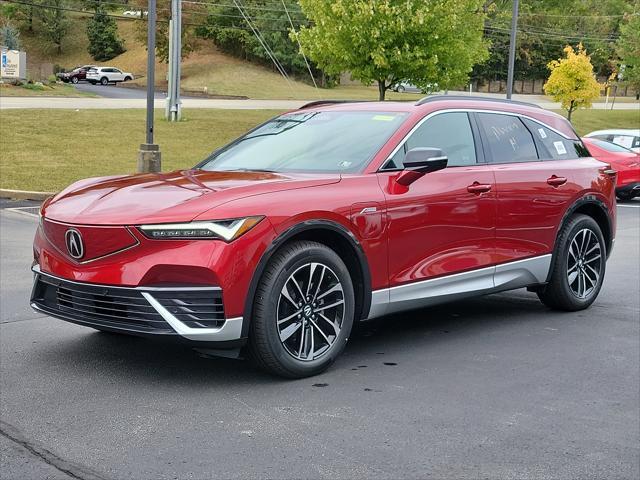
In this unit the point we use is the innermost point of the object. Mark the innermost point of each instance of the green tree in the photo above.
(10, 37)
(54, 22)
(102, 31)
(572, 81)
(388, 41)
(628, 48)
(231, 33)
(188, 37)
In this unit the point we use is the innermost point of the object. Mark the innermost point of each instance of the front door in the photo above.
(443, 223)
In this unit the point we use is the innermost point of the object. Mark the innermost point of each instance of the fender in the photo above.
(292, 232)
(581, 202)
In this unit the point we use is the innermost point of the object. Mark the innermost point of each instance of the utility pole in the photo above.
(512, 48)
(149, 153)
(173, 108)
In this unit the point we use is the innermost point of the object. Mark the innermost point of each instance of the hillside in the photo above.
(206, 68)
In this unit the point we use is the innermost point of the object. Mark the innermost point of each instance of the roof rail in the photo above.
(433, 98)
(316, 103)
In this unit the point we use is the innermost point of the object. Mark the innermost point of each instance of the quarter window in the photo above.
(553, 146)
(450, 132)
(509, 140)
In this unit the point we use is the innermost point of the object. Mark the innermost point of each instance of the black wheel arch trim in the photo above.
(586, 200)
(290, 233)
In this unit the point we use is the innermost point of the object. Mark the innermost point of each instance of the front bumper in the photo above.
(188, 313)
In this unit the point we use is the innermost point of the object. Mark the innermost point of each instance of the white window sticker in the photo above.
(624, 140)
(560, 148)
(542, 133)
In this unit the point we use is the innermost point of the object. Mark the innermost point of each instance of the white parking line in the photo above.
(23, 211)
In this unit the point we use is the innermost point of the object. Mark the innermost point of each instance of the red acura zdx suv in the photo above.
(329, 215)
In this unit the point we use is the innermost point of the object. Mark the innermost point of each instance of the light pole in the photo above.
(512, 48)
(149, 153)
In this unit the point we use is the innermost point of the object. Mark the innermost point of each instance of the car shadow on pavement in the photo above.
(147, 362)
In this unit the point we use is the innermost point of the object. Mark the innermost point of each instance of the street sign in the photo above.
(13, 64)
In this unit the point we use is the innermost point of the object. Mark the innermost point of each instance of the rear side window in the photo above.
(508, 138)
(450, 132)
(552, 145)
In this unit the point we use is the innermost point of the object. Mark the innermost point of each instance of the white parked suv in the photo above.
(106, 75)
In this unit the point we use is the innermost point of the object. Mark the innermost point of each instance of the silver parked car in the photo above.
(106, 75)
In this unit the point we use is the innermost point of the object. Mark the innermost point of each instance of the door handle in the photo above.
(556, 181)
(479, 188)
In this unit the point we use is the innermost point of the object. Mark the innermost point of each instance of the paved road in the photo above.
(116, 97)
(496, 387)
(112, 91)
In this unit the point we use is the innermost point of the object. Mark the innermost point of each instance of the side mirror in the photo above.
(420, 161)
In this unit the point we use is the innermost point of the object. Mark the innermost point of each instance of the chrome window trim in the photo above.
(464, 110)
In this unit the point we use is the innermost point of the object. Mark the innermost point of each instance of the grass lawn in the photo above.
(7, 90)
(45, 150)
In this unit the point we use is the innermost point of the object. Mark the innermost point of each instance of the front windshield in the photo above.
(331, 141)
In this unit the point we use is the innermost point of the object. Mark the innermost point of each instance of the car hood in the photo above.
(178, 196)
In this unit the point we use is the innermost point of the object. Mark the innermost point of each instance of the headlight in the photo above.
(226, 230)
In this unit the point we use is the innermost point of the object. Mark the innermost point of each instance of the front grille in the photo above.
(126, 308)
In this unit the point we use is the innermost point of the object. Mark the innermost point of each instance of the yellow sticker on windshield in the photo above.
(384, 118)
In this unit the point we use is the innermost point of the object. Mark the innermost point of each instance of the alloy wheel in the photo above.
(584, 263)
(310, 311)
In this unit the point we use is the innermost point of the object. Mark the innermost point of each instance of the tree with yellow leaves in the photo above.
(572, 81)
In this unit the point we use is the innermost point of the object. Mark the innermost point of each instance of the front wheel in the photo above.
(578, 266)
(74, 80)
(303, 311)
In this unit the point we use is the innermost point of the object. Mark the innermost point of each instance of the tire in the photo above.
(104, 81)
(325, 336)
(127, 79)
(400, 89)
(579, 258)
(624, 196)
(74, 80)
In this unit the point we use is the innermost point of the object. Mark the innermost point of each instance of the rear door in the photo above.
(536, 179)
(444, 222)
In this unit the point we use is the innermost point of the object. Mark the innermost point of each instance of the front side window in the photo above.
(450, 132)
(326, 141)
(509, 140)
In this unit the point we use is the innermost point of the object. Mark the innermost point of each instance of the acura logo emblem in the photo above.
(73, 241)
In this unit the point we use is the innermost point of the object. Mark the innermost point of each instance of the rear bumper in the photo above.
(191, 314)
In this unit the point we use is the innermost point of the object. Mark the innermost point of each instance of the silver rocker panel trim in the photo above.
(506, 276)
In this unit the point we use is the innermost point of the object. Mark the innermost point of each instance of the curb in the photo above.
(24, 194)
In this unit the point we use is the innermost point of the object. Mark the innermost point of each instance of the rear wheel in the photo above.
(578, 266)
(104, 80)
(303, 311)
(74, 80)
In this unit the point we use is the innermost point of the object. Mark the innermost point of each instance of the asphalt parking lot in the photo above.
(494, 387)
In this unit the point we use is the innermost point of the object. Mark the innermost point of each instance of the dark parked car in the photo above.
(76, 75)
